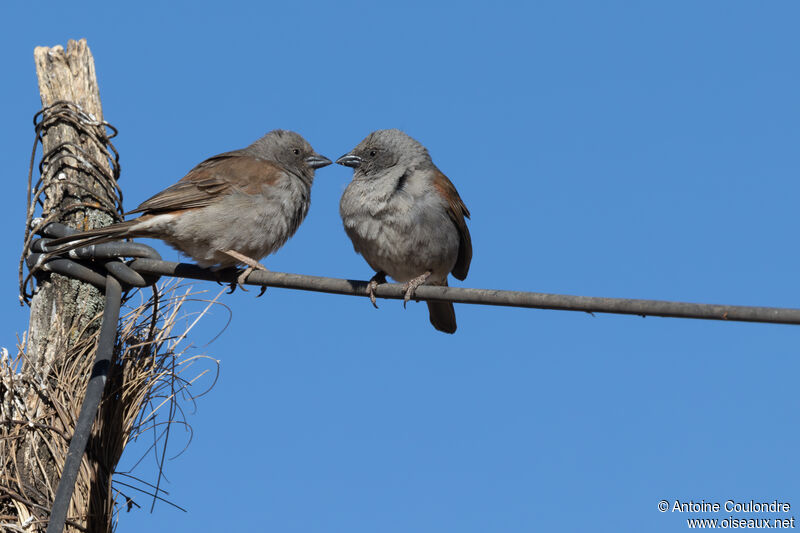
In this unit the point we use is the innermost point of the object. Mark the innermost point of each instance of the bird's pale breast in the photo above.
(401, 232)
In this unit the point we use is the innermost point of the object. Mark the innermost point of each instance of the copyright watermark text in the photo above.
(752, 508)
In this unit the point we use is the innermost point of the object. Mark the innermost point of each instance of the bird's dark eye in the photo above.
(372, 153)
(296, 151)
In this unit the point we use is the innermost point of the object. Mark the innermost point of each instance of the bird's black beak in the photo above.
(348, 160)
(317, 161)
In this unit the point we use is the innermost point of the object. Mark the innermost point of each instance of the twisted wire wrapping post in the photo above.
(65, 154)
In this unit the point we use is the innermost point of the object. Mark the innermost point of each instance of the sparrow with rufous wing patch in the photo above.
(406, 218)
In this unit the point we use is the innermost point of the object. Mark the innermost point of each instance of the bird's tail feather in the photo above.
(442, 315)
(114, 232)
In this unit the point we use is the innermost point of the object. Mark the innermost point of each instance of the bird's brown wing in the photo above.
(457, 212)
(214, 177)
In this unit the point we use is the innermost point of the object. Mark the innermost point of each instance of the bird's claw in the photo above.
(371, 286)
(242, 277)
(411, 286)
(376, 280)
(252, 265)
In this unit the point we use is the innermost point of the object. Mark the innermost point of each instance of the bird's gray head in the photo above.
(383, 149)
(289, 149)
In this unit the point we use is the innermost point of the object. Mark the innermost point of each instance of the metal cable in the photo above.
(147, 266)
(89, 270)
(534, 300)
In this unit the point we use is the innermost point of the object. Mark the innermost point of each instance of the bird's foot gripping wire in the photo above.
(377, 279)
(411, 286)
(252, 265)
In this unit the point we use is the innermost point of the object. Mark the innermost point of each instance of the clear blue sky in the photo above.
(604, 148)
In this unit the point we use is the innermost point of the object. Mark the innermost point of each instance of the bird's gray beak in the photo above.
(348, 160)
(317, 161)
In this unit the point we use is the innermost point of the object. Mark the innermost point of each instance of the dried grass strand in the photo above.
(155, 373)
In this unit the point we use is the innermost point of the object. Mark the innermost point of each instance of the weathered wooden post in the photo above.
(80, 191)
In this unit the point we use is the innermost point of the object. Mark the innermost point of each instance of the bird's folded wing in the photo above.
(213, 178)
(457, 212)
